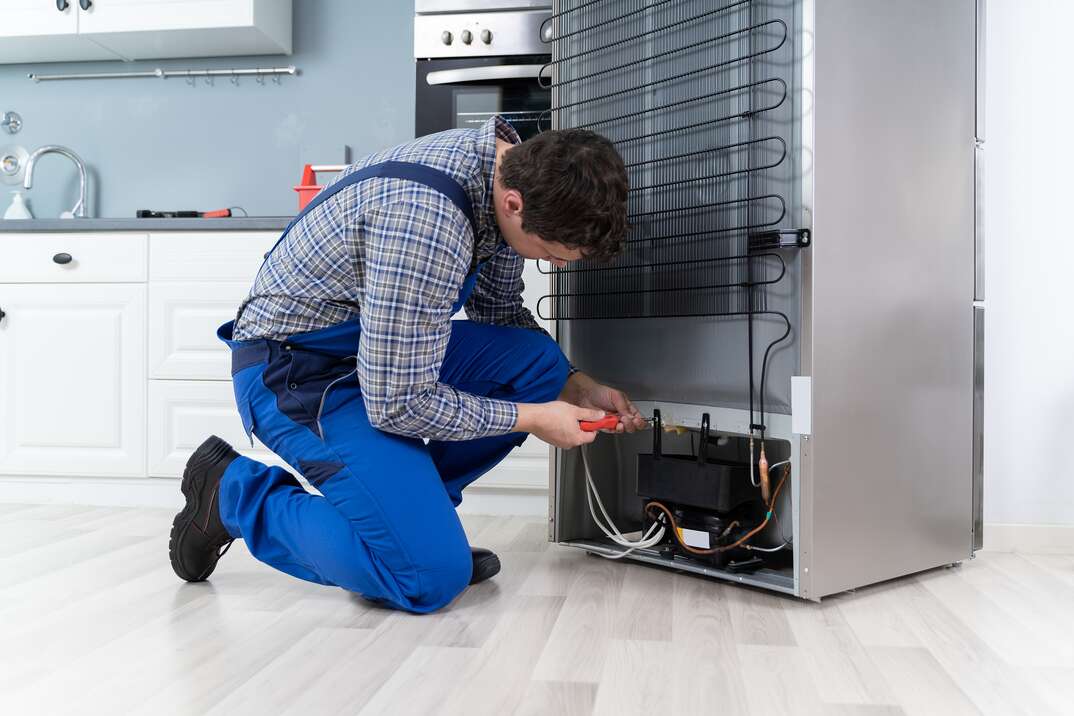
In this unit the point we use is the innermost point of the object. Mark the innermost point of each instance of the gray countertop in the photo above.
(251, 223)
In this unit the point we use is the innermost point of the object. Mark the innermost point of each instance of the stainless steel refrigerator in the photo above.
(804, 268)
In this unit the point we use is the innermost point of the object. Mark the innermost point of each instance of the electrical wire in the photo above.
(722, 548)
(765, 549)
(652, 537)
(655, 534)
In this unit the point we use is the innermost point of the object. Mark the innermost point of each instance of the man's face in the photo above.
(527, 245)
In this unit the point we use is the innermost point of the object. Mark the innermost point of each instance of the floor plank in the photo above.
(557, 697)
(418, 686)
(93, 621)
(579, 640)
(636, 676)
(707, 669)
(920, 682)
(497, 678)
(842, 671)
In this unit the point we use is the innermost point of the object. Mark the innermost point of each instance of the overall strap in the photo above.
(411, 171)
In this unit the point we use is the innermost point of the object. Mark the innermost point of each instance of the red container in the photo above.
(309, 186)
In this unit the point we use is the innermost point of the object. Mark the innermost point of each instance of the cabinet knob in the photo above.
(2, 314)
(62, 5)
(85, 4)
(62, 258)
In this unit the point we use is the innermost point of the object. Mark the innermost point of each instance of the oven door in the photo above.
(465, 92)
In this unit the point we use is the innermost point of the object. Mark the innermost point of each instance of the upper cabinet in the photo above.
(147, 29)
(45, 31)
(63, 30)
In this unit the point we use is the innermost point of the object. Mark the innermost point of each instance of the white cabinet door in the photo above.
(72, 379)
(183, 413)
(143, 29)
(183, 318)
(42, 31)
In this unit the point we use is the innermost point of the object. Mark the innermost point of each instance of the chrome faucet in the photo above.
(79, 209)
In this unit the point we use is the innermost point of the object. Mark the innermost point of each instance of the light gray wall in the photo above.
(1029, 335)
(162, 144)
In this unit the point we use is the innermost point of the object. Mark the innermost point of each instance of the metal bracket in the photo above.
(703, 444)
(780, 239)
(658, 432)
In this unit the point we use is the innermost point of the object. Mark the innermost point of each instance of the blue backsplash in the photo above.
(162, 144)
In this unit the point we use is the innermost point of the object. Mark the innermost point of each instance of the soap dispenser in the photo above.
(18, 208)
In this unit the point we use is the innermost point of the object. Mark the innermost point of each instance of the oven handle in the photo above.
(479, 74)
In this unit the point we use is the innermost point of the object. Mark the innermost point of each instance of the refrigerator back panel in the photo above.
(702, 102)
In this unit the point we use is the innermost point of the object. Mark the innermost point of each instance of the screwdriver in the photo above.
(609, 422)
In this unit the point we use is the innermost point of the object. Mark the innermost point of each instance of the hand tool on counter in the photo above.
(214, 214)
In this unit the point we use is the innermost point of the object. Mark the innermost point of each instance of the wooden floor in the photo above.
(92, 620)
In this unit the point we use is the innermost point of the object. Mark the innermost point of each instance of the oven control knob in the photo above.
(445, 37)
(486, 36)
(467, 37)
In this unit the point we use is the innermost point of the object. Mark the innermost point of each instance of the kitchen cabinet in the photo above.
(74, 258)
(184, 316)
(45, 31)
(182, 413)
(72, 370)
(109, 361)
(51, 31)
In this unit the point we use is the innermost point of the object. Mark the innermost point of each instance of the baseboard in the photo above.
(1031, 539)
(164, 492)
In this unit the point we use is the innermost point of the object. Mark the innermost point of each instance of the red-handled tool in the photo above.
(608, 422)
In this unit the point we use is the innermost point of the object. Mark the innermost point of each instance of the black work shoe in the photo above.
(486, 565)
(198, 536)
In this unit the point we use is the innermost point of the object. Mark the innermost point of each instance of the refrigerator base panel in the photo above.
(774, 580)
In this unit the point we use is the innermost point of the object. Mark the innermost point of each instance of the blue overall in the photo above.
(386, 526)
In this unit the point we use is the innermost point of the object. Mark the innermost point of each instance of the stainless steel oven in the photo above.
(475, 59)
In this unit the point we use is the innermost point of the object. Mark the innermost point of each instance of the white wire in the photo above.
(766, 549)
(609, 529)
(653, 536)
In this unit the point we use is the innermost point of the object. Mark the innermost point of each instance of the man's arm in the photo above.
(416, 260)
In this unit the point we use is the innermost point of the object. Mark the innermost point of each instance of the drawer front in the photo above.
(183, 318)
(208, 256)
(183, 413)
(94, 258)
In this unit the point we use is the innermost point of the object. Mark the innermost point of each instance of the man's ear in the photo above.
(512, 201)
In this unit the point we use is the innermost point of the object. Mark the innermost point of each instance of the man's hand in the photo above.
(585, 392)
(557, 422)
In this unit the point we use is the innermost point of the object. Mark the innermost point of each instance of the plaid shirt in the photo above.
(394, 253)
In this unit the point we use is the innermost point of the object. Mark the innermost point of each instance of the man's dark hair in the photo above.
(574, 190)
